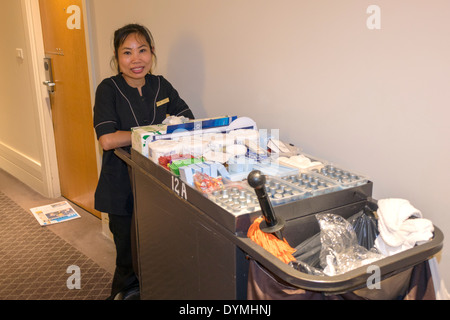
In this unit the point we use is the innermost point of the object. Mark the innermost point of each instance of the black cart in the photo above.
(191, 248)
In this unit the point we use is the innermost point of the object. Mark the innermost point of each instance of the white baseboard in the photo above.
(22, 167)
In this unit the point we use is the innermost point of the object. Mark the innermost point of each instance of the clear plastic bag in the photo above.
(205, 183)
(340, 251)
(336, 248)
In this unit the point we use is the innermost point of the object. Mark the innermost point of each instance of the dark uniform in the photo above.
(119, 107)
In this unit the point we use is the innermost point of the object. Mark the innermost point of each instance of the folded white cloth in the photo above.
(299, 161)
(401, 226)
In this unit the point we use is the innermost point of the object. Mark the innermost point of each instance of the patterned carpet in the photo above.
(36, 264)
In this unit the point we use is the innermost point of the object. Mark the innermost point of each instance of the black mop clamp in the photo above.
(271, 223)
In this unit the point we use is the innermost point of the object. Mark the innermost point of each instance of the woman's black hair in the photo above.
(120, 35)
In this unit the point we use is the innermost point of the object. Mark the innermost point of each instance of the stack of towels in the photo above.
(401, 226)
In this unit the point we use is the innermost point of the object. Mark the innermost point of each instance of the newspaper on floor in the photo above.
(54, 213)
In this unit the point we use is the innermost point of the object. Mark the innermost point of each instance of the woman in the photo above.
(134, 97)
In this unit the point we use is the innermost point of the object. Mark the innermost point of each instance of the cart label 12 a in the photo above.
(179, 187)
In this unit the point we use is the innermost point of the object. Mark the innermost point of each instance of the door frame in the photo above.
(34, 30)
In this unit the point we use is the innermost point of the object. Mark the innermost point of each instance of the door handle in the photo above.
(50, 86)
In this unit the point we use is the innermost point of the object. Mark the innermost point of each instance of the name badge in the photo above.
(161, 102)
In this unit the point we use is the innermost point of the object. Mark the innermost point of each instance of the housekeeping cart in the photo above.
(189, 247)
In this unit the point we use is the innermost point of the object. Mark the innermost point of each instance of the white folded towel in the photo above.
(401, 226)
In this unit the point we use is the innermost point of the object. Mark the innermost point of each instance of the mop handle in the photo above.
(274, 225)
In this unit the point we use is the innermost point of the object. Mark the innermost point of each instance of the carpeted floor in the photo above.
(35, 263)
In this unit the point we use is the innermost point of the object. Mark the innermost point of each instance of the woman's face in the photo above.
(135, 59)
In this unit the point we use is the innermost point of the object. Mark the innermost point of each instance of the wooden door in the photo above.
(65, 44)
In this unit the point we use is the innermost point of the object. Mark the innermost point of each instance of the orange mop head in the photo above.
(280, 249)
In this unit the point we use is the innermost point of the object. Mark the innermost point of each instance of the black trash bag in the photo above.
(306, 268)
(307, 256)
(366, 227)
(308, 251)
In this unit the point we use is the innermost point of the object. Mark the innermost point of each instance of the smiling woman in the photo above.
(132, 98)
